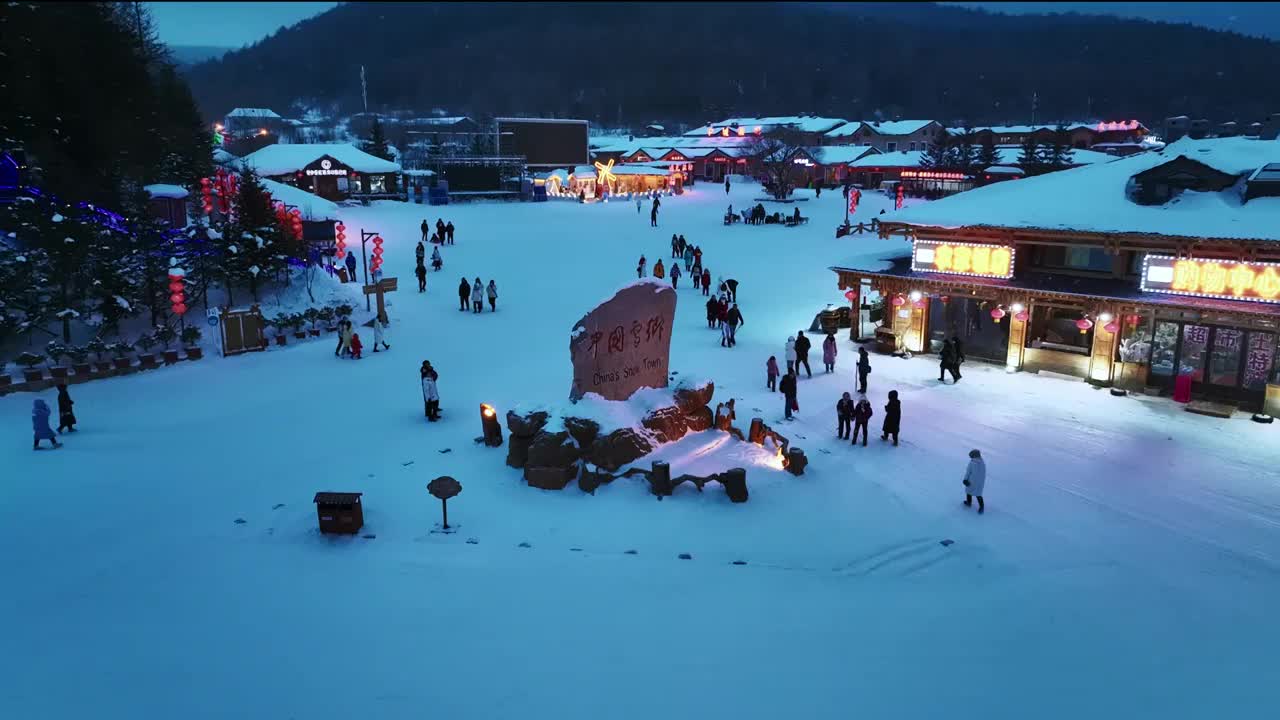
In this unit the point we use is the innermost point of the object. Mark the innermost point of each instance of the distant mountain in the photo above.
(627, 63)
(184, 55)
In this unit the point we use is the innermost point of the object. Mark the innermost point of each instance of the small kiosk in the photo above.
(339, 512)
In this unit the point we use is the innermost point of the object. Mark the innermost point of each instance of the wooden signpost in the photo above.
(385, 286)
(444, 487)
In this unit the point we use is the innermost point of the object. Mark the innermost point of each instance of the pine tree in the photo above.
(938, 154)
(966, 152)
(1057, 155)
(1029, 156)
(987, 154)
(378, 141)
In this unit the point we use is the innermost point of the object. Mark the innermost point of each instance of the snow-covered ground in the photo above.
(1128, 565)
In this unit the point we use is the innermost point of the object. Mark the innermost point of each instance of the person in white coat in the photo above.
(381, 326)
(791, 354)
(492, 292)
(430, 395)
(477, 296)
(975, 479)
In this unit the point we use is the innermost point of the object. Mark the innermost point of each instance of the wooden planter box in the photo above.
(194, 353)
(148, 361)
(58, 372)
(282, 339)
(170, 357)
(33, 375)
(123, 363)
(82, 369)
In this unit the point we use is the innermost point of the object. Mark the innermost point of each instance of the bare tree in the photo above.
(773, 153)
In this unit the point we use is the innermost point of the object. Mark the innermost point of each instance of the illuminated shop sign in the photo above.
(994, 261)
(933, 175)
(326, 168)
(1227, 279)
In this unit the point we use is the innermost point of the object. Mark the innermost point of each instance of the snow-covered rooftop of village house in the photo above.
(284, 159)
(1008, 156)
(838, 154)
(176, 192)
(222, 157)
(888, 127)
(313, 207)
(253, 113)
(803, 123)
(1003, 170)
(1094, 198)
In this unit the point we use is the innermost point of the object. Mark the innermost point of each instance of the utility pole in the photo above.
(364, 238)
(364, 90)
(1035, 102)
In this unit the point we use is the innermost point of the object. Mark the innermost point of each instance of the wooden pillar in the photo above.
(1102, 358)
(855, 313)
(1017, 340)
(917, 326)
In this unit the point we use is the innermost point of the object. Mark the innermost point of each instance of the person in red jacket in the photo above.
(355, 346)
(771, 371)
(706, 282)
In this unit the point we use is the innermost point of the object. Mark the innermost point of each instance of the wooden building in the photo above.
(333, 171)
(168, 203)
(1135, 273)
(886, 136)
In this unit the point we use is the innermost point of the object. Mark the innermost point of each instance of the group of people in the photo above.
(443, 234)
(437, 262)
(40, 413)
(724, 314)
(476, 294)
(857, 415)
(349, 343)
(949, 360)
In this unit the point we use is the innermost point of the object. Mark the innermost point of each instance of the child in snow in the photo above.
(844, 416)
(975, 479)
(492, 292)
(40, 425)
(771, 373)
(356, 347)
(861, 416)
(66, 418)
(380, 327)
(344, 337)
(829, 352)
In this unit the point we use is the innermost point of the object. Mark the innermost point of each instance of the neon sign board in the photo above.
(973, 259)
(934, 175)
(1226, 279)
(326, 168)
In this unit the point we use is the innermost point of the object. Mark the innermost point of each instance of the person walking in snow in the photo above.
(640, 267)
(726, 184)
(733, 321)
(464, 294)
(437, 262)
(697, 256)
(713, 312)
(448, 231)
(788, 388)
(40, 424)
(639, 203)
(381, 326)
(771, 373)
(861, 417)
(66, 417)
(959, 354)
(421, 272)
(675, 245)
(688, 254)
(947, 362)
(356, 346)
(345, 332)
(426, 229)
(697, 278)
(351, 267)
(477, 297)
(790, 354)
(653, 214)
(844, 416)
(892, 418)
(658, 270)
(864, 369)
(802, 354)
(680, 248)
(975, 480)
(731, 288)
(440, 229)
(420, 252)
(675, 275)
(706, 282)
(829, 352)
(430, 394)
(492, 292)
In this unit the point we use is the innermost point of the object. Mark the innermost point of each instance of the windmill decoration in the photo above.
(605, 176)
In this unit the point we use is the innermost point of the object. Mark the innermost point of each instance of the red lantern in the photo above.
(945, 299)
(1111, 327)
(340, 240)
(1022, 316)
(176, 299)
(1133, 319)
(1084, 324)
(997, 313)
(898, 203)
(179, 309)
(898, 301)
(851, 295)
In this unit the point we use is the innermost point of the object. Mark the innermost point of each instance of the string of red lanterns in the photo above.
(377, 253)
(177, 291)
(340, 240)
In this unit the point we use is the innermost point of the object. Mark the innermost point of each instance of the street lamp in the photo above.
(489, 423)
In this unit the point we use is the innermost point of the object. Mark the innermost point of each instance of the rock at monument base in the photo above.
(692, 396)
(735, 484)
(618, 448)
(590, 478)
(549, 478)
(526, 425)
(667, 424)
(698, 419)
(518, 451)
(553, 450)
(582, 430)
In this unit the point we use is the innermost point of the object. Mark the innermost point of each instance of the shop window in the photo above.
(377, 183)
(1055, 329)
(1134, 266)
(1088, 259)
(1135, 339)
(1164, 348)
(913, 147)
(891, 147)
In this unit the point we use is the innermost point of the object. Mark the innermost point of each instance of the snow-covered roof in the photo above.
(888, 127)
(838, 154)
(420, 173)
(222, 157)
(803, 123)
(1007, 155)
(313, 207)
(454, 120)
(284, 159)
(902, 158)
(253, 113)
(659, 168)
(1094, 198)
(584, 172)
(1003, 170)
(160, 190)
(662, 144)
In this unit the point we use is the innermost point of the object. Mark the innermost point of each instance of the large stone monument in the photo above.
(625, 343)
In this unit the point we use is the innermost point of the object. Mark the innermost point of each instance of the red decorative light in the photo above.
(945, 299)
(898, 203)
(850, 294)
(1084, 324)
(898, 301)
(1022, 316)
(854, 196)
(180, 309)
(1111, 327)
(997, 313)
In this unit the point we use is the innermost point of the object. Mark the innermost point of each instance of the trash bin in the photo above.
(1182, 389)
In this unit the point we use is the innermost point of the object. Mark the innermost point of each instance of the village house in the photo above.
(886, 136)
